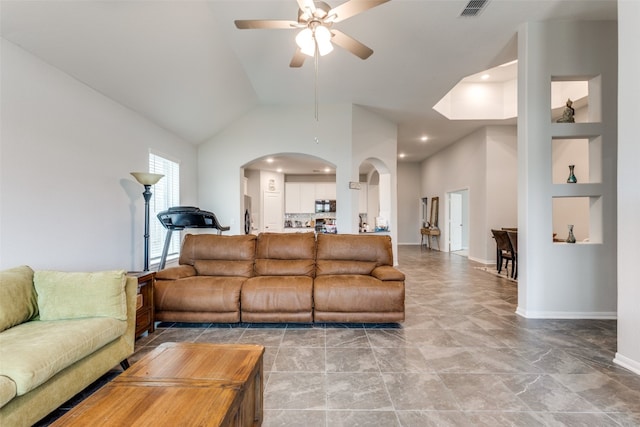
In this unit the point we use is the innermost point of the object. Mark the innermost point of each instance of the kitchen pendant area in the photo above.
(295, 193)
(290, 193)
(310, 204)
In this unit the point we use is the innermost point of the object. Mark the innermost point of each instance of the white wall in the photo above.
(562, 280)
(502, 181)
(67, 199)
(346, 135)
(409, 203)
(271, 130)
(253, 190)
(483, 162)
(375, 140)
(459, 166)
(628, 354)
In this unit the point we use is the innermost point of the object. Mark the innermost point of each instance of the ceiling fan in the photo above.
(315, 20)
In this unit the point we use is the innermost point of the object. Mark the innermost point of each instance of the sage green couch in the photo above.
(59, 332)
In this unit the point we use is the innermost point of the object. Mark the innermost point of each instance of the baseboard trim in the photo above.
(593, 315)
(625, 362)
(482, 261)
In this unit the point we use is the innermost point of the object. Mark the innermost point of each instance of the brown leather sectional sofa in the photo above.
(282, 277)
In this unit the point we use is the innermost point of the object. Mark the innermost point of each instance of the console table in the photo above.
(429, 233)
(188, 384)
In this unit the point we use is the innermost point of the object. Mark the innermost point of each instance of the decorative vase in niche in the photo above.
(570, 238)
(572, 178)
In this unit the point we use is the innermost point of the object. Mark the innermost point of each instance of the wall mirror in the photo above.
(425, 219)
(433, 218)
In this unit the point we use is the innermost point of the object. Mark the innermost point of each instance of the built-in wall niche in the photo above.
(584, 213)
(585, 154)
(585, 96)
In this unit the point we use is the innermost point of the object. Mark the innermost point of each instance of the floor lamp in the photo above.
(146, 179)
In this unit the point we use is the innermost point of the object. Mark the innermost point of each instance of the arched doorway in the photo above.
(280, 189)
(375, 196)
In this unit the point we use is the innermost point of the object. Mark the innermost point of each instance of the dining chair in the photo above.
(504, 251)
(513, 239)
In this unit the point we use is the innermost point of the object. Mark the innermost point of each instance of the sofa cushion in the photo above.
(357, 293)
(289, 254)
(229, 268)
(33, 352)
(8, 390)
(63, 295)
(352, 254)
(18, 300)
(199, 293)
(217, 255)
(330, 266)
(277, 294)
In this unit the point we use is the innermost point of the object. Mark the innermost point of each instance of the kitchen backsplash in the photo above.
(305, 220)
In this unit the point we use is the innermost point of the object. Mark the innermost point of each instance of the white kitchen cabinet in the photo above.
(307, 197)
(292, 197)
(325, 191)
(299, 197)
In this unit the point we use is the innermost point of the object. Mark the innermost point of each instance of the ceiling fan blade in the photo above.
(298, 59)
(255, 24)
(353, 7)
(351, 44)
(307, 4)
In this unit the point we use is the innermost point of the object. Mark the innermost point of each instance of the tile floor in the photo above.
(461, 358)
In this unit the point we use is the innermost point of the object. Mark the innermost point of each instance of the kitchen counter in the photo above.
(298, 229)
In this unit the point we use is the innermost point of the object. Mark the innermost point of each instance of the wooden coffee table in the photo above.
(180, 384)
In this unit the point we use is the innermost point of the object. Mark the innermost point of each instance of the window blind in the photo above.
(166, 194)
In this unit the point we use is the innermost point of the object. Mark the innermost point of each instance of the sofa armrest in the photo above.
(131, 292)
(387, 272)
(175, 273)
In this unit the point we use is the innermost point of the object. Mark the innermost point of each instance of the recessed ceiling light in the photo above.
(279, 170)
(402, 155)
(424, 138)
(327, 170)
(270, 160)
(485, 76)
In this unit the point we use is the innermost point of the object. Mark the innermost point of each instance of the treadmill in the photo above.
(181, 217)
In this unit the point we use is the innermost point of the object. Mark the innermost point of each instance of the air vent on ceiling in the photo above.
(474, 7)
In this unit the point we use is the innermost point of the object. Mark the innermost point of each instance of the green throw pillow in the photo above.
(18, 301)
(64, 295)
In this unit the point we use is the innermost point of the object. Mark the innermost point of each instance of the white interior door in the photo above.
(455, 222)
(272, 213)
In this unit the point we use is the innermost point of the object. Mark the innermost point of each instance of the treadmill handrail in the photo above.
(181, 217)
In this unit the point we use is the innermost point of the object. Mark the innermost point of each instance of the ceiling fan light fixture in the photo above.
(307, 39)
(305, 42)
(323, 38)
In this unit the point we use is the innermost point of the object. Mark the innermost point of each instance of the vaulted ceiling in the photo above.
(185, 66)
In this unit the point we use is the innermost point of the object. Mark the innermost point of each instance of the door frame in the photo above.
(465, 218)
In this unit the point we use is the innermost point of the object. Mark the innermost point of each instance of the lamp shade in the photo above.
(146, 178)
